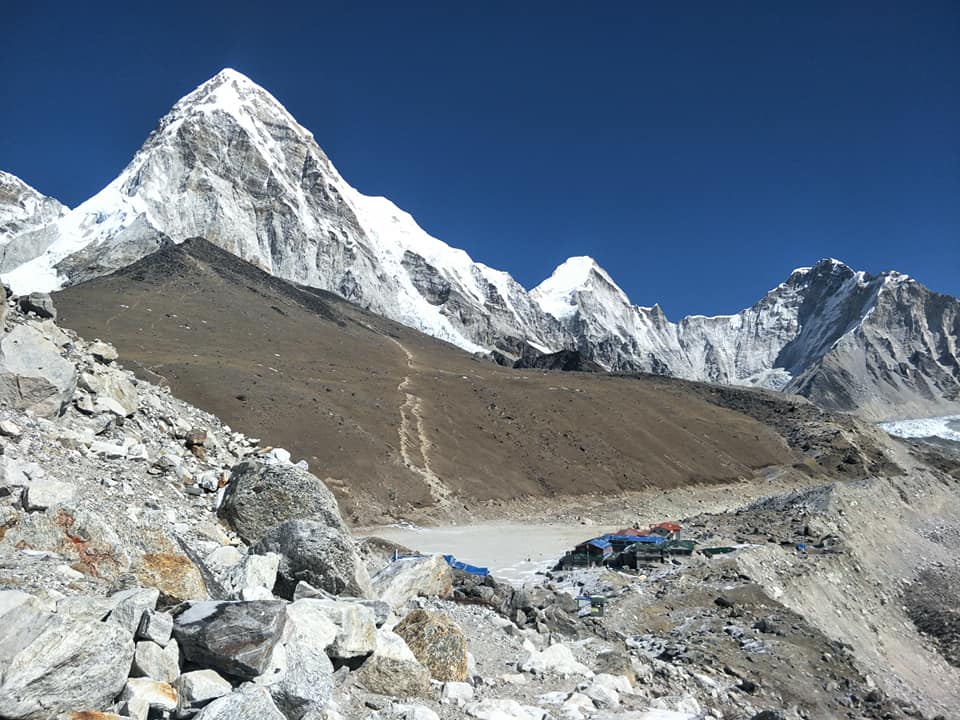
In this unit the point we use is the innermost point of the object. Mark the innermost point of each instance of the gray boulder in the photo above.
(198, 687)
(51, 663)
(234, 638)
(407, 578)
(262, 495)
(248, 703)
(306, 682)
(40, 304)
(131, 605)
(33, 375)
(322, 555)
(156, 626)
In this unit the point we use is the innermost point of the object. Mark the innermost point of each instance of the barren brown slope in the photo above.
(399, 421)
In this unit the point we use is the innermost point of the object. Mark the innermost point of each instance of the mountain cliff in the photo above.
(24, 213)
(230, 164)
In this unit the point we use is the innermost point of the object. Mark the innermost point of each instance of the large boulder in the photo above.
(112, 390)
(437, 642)
(33, 375)
(40, 304)
(262, 495)
(407, 578)
(248, 703)
(174, 575)
(52, 663)
(322, 555)
(234, 638)
(355, 629)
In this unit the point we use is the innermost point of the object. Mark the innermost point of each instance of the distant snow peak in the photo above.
(557, 295)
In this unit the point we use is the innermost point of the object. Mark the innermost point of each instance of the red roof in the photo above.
(671, 526)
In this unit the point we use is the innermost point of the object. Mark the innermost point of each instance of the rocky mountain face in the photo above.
(228, 163)
(24, 213)
(883, 345)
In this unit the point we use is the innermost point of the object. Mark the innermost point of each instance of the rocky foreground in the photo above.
(156, 564)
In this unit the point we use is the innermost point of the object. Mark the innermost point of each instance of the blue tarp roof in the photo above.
(472, 569)
(654, 539)
(599, 543)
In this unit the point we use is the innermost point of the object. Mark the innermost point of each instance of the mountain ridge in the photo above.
(230, 164)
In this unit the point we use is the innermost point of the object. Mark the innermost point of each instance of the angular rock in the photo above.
(46, 493)
(557, 659)
(8, 428)
(141, 695)
(399, 678)
(103, 352)
(437, 642)
(173, 575)
(248, 703)
(156, 626)
(504, 709)
(323, 556)
(262, 495)
(235, 638)
(155, 662)
(456, 693)
(253, 571)
(355, 625)
(54, 663)
(407, 578)
(38, 303)
(33, 375)
(306, 683)
(112, 385)
(130, 606)
(198, 687)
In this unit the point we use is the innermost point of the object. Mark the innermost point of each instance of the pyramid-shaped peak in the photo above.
(557, 294)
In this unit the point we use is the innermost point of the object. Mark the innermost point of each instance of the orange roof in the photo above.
(671, 526)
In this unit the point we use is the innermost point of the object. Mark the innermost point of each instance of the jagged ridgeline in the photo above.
(231, 165)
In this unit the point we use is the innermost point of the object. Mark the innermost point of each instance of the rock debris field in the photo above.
(154, 563)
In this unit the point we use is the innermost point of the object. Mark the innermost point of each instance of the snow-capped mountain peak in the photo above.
(557, 295)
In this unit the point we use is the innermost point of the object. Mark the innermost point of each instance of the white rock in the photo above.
(156, 626)
(46, 493)
(253, 571)
(8, 428)
(407, 578)
(155, 662)
(102, 351)
(504, 709)
(415, 712)
(199, 687)
(392, 646)
(356, 630)
(555, 659)
(456, 693)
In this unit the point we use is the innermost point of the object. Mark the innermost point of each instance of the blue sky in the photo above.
(698, 150)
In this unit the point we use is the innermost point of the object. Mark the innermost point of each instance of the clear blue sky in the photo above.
(698, 150)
